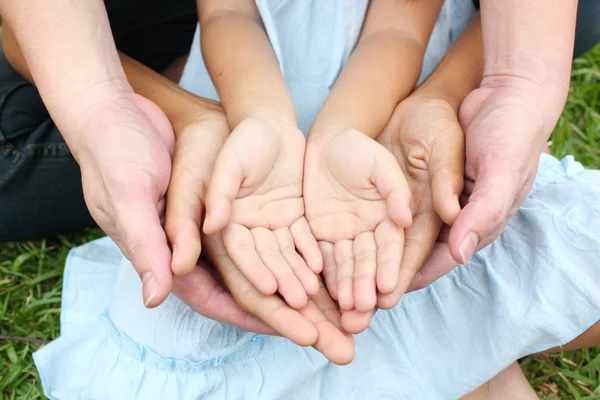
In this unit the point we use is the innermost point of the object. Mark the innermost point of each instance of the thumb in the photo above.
(144, 243)
(389, 180)
(446, 173)
(184, 215)
(225, 182)
(487, 211)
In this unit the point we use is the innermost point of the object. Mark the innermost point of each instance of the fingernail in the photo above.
(468, 246)
(456, 200)
(149, 287)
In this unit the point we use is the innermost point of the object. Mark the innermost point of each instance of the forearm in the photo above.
(460, 70)
(70, 53)
(530, 41)
(179, 105)
(241, 62)
(382, 70)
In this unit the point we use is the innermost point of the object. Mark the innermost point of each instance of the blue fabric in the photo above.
(534, 288)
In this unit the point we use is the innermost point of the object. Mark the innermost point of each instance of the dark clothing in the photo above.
(40, 182)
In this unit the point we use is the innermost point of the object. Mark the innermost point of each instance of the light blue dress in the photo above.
(536, 287)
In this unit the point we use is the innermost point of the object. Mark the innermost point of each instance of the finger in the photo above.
(329, 268)
(270, 309)
(365, 269)
(183, 217)
(224, 185)
(344, 259)
(488, 209)
(439, 263)
(241, 248)
(269, 252)
(355, 322)
(200, 291)
(307, 278)
(336, 345)
(307, 245)
(389, 180)
(390, 243)
(418, 243)
(144, 243)
(446, 172)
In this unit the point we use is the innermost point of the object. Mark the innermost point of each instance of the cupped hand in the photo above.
(255, 198)
(124, 151)
(506, 129)
(426, 140)
(317, 324)
(357, 203)
(425, 137)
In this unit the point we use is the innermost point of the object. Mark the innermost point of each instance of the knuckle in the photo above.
(497, 214)
(365, 255)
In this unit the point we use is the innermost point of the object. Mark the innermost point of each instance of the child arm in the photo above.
(241, 62)
(383, 68)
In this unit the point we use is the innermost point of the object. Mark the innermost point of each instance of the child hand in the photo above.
(317, 324)
(255, 198)
(426, 138)
(357, 202)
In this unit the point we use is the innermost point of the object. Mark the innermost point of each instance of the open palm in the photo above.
(255, 198)
(357, 204)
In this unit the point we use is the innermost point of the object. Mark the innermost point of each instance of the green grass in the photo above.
(31, 274)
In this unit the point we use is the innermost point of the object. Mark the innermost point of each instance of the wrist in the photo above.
(98, 98)
(193, 110)
(439, 94)
(548, 99)
(285, 125)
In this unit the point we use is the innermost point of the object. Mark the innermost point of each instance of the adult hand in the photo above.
(124, 151)
(506, 128)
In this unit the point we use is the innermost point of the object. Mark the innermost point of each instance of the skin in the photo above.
(254, 197)
(507, 120)
(357, 199)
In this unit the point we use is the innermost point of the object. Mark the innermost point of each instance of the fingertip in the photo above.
(185, 257)
(365, 303)
(365, 295)
(312, 286)
(267, 286)
(186, 246)
(155, 289)
(315, 262)
(218, 211)
(210, 226)
(334, 344)
(388, 301)
(304, 336)
(344, 352)
(385, 285)
(446, 204)
(297, 300)
(399, 209)
(355, 322)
